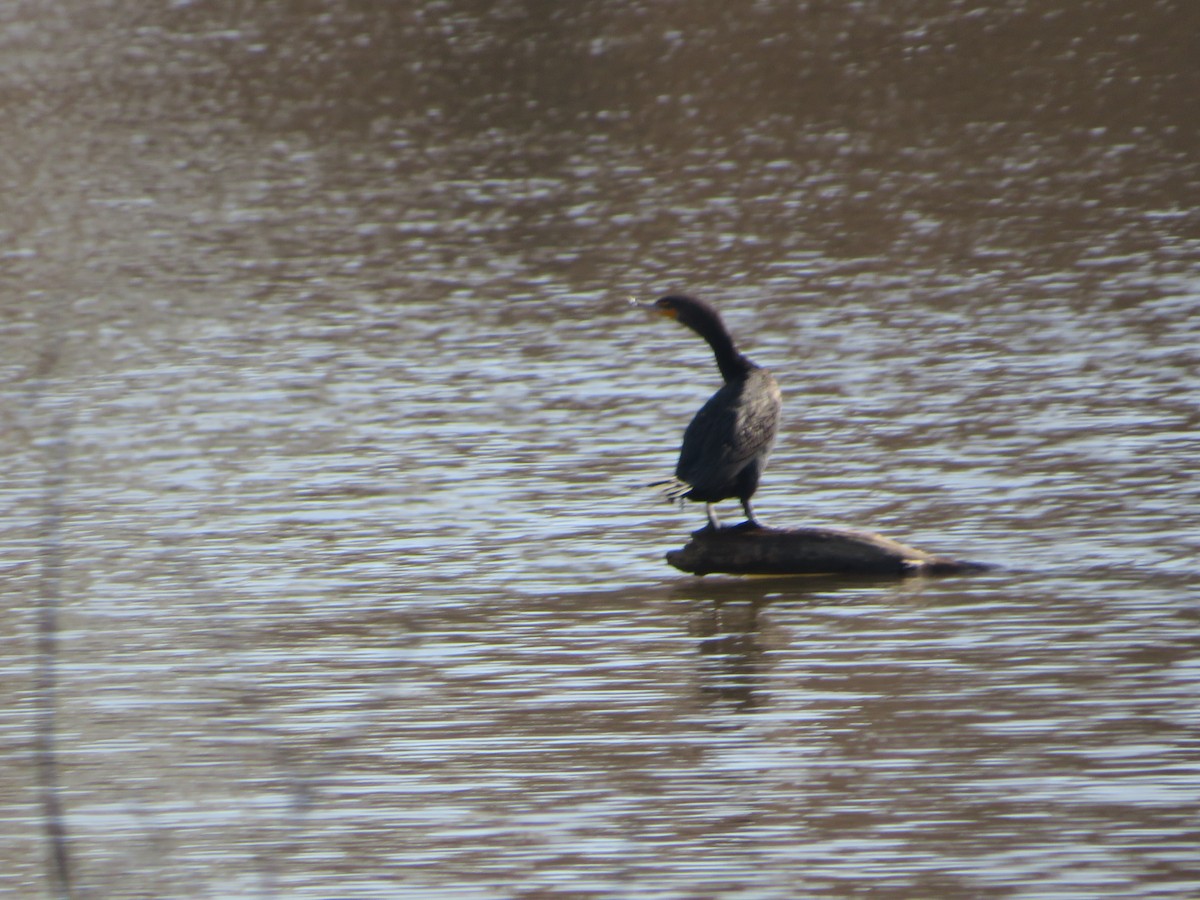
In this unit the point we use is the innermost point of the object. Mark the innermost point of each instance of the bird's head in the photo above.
(695, 314)
(704, 319)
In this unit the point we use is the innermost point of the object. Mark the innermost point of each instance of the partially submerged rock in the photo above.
(807, 551)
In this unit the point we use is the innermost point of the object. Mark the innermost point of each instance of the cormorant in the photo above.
(725, 447)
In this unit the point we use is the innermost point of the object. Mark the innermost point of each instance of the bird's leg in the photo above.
(751, 522)
(713, 522)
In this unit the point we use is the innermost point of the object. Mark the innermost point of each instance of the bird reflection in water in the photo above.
(730, 652)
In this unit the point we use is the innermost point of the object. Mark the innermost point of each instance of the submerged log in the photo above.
(807, 551)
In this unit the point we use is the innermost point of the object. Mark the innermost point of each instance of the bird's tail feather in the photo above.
(672, 489)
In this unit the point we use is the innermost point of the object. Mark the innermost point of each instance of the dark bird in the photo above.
(725, 447)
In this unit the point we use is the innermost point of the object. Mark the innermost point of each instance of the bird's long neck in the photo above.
(731, 363)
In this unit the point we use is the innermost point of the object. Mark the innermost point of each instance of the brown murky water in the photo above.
(328, 565)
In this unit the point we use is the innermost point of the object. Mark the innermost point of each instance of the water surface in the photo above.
(329, 565)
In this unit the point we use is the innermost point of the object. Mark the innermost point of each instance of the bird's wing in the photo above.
(736, 424)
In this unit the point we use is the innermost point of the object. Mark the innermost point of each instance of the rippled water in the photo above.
(329, 569)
